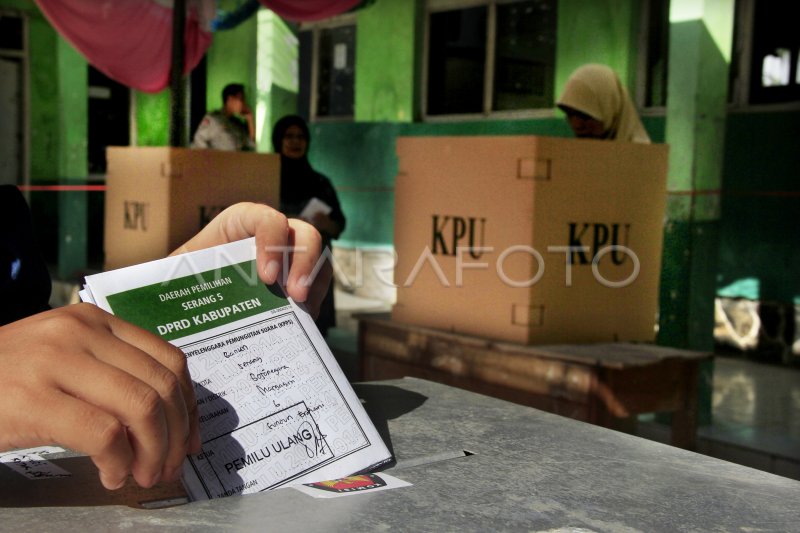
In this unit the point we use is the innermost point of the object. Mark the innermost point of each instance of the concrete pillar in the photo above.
(277, 80)
(701, 33)
(71, 71)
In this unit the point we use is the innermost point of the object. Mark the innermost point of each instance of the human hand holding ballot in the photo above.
(82, 378)
(274, 406)
(79, 377)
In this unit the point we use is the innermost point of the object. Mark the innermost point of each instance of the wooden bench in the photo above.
(604, 384)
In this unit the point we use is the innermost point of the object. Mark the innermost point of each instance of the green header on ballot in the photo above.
(191, 304)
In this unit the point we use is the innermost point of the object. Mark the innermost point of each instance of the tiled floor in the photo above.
(755, 417)
(755, 406)
(752, 400)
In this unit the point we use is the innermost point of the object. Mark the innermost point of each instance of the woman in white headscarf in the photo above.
(598, 106)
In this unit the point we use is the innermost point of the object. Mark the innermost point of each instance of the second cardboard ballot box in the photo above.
(159, 197)
(530, 239)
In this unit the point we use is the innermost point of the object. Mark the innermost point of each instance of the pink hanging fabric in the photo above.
(128, 40)
(308, 10)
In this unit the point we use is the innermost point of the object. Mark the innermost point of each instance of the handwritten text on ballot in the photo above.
(274, 406)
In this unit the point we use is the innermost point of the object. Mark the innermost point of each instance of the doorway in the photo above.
(12, 100)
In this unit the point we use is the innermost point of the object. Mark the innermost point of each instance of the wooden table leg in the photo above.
(684, 420)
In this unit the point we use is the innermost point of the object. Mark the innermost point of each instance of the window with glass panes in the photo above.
(766, 53)
(335, 73)
(327, 69)
(490, 56)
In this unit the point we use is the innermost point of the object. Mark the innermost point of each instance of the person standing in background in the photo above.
(308, 195)
(598, 106)
(223, 129)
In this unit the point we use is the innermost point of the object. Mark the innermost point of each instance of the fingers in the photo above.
(319, 289)
(272, 233)
(310, 272)
(145, 385)
(287, 251)
(177, 384)
(79, 425)
(136, 405)
(151, 399)
(118, 393)
(237, 222)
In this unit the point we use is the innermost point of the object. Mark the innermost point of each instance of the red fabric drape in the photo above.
(131, 40)
(128, 40)
(307, 10)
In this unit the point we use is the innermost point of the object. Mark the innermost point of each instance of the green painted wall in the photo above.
(49, 57)
(697, 95)
(592, 31)
(360, 161)
(701, 35)
(386, 45)
(759, 241)
(72, 97)
(57, 109)
(58, 101)
(152, 118)
(43, 107)
(231, 58)
(21, 5)
(276, 76)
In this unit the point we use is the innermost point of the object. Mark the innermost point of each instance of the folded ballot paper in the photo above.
(313, 207)
(275, 408)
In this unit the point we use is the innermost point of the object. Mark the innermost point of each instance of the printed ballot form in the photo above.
(275, 408)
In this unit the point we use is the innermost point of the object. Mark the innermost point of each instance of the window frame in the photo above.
(25, 123)
(642, 83)
(438, 6)
(347, 19)
(741, 61)
(740, 66)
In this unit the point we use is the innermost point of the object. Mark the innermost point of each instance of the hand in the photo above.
(326, 225)
(247, 114)
(245, 109)
(84, 379)
(278, 240)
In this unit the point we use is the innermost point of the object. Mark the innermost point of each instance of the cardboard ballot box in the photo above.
(530, 239)
(159, 197)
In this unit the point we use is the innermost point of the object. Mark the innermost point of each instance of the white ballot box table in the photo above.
(478, 463)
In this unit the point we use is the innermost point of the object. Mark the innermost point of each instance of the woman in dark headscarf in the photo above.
(307, 194)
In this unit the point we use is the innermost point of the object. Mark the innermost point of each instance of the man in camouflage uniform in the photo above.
(223, 129)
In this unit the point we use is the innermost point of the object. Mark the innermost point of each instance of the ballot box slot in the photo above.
(433, 458)
(164, 503)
